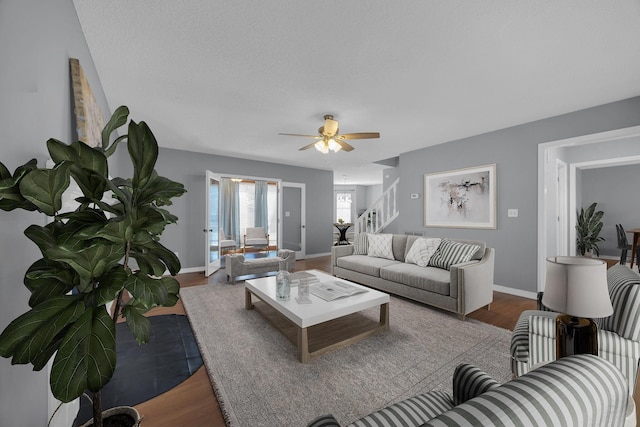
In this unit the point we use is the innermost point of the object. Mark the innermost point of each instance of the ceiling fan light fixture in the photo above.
(322, 147)
(333, 145)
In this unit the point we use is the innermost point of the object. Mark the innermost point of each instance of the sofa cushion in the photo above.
(399, 246)
(430, 279)
(421, 251)
(412, 412)
(469, 382)
(364, 264)
(360, 244)
(450, 253)
(380, 246)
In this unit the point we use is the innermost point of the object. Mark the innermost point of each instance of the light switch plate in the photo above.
(512, 213)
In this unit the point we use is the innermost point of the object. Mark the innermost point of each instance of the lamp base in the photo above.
(575, 335)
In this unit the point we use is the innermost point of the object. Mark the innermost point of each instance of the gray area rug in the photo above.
(259, 381)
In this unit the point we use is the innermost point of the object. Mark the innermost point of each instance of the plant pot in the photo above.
(118, 417)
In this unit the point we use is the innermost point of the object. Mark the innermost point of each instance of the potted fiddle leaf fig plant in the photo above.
(87, 258)
(588, 227)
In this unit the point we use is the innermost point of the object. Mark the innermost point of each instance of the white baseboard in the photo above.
(191, 270)
(517, 292)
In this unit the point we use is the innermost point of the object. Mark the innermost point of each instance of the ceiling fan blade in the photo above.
(298, 134)
(344, 145)
(306, 147)
(361, 135)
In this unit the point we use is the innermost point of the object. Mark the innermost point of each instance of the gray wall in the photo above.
(37, 38)
(514, 151)
(186, 237)
(616, 189)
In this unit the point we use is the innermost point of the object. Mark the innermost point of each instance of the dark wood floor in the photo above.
(193, 402)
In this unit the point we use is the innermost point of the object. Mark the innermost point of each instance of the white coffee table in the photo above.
(321, 317)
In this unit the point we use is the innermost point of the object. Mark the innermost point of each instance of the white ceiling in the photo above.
(225, 77)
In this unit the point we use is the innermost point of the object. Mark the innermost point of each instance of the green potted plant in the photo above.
(86, 258)
(588, 230)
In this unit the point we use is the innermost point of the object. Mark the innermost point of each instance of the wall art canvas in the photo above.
(461, 198)
(89, 119)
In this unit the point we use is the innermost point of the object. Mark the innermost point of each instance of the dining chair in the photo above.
(255, 236)
(623, 244)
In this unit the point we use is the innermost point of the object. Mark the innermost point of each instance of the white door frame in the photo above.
(543, 200)
(562, 210)
(210, 266)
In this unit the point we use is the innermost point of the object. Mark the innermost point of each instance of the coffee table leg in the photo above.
(303, 345)
(384, 316)
(247, 300)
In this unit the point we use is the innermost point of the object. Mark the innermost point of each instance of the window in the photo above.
(247, 208)
(343, 206)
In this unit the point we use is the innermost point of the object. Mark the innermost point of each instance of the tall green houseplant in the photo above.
(588, 230)
(86, 257)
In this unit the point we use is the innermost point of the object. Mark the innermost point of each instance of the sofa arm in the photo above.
(339, 251)
(472, 282)
(534, 332)
(289, 257)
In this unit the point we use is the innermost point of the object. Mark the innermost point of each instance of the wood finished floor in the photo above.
(193, 402)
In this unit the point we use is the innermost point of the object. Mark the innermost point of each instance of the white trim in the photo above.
(543, 159)
(517, 292)
(191, 270)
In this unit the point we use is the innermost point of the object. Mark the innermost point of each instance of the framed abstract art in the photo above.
(461, 198)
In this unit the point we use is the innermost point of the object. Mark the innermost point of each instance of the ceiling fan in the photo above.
(328, 138)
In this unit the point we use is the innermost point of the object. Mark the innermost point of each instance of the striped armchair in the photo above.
(575, 391)
(534, 337)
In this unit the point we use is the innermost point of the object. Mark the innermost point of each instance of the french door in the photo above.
(212, 224)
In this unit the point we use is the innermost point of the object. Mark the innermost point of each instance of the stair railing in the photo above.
(381, 213)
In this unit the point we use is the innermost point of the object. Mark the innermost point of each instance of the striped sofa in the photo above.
(575, 391)
(533, 341)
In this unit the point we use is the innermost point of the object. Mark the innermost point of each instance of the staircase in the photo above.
(381, 213)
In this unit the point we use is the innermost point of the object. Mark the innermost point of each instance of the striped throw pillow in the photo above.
(469, 382)
(450, 253)
(360, 244)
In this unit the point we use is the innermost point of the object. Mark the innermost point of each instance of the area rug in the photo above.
(259, 381)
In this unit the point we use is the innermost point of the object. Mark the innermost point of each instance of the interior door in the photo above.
(212, 224)
(293, 218)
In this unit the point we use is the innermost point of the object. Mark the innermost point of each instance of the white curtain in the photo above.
(230, 208)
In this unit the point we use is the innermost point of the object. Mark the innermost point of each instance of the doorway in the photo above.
(293, 218)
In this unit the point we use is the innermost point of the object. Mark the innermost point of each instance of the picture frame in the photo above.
(89, 118)
(461, 198)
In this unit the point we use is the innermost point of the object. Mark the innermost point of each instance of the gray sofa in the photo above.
(464, 288)
(575, 391)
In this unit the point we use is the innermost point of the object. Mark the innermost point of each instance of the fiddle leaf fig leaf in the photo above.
(31, 333)
(44, 187)
(89, 262)
(147, 291)
(87, 356)
(139, 325)
(118, 118)
(4, 172)
(10, 196)
(143, 150)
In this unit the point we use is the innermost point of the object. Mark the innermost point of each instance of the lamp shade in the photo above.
(577, 286)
